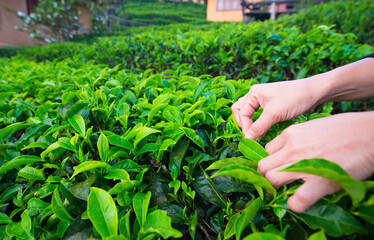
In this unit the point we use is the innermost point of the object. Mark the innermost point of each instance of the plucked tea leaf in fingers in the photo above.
(246, 174)
(333, 172)
(252, 149)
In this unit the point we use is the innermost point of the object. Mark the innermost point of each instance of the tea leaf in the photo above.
(35, 145)
(173, 114)
(190, 133)
(230, 90)
(199, 89)
(103, 147)
(75, 109)
(102, 212)
(252, 150)
(20, 230)
(158, 224)
(31, 173)
(4, 219)
(143, 132)
(366, 213)
(58, 207)
(141, 202)
(120, 141)
(246, 174)
(247, 215)
(232, 161)
(122, 187)
(331, 218)
(124, 225)
(263, 236)
(77, 122)
(65, 143)
(87, 166)
(18, 161)
(177, 154)
(318, 236)
(116, 174)
(333, 172)
(230, 227)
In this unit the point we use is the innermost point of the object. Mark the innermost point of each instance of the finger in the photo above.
(278, 179)
(276, 144)
(235, 108)
(247, 110)
(261, 125)
(310, 192)
(272, 161)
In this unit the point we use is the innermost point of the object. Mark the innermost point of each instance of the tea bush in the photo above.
(89, 151)
(347, 16)
(164, 13)
(264, 52)
(95, 144)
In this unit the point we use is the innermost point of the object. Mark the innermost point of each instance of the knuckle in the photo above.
(288, 132)
(261, 167)
(303, 197)
(260, 131)
(254, 88)
(271, 177)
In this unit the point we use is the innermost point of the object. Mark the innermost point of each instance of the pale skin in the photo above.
(346, 139)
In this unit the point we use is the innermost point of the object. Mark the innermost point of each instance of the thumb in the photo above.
(261, 125)
(310, 192)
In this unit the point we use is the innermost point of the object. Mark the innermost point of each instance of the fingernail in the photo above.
(250, 136)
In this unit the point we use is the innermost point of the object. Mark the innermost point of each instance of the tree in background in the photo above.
(53, 21)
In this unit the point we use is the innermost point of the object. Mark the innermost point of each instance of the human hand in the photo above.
(346, 139)
(281, 101)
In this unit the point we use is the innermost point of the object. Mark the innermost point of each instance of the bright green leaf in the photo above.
(141, 202)
(246, 174)
(102, 212)
(77, 122)
(18, 161)
(86, 166)
(252, 149)
(103, 147)
(333, 172)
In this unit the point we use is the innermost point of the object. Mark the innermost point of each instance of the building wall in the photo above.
(233, 15)
(222, 16)
(8, 35)
(8, 20)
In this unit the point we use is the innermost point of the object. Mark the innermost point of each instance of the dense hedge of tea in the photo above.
(92, 151)
(262, 51)
(163, 13)
(93, 145)
(347, 16)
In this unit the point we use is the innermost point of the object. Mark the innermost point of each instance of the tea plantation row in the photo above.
(94, 145)
(264, 52)
(91, 151)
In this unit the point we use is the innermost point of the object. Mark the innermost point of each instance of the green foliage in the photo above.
(89, 150)
(263, 51)
(163, 13)
(95, 144)
(347, 16)
(53, 21)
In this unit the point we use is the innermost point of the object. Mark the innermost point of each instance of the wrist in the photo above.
(321, 87)
(331, 86)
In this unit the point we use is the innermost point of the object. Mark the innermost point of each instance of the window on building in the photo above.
(228, 5)
(31, 4)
